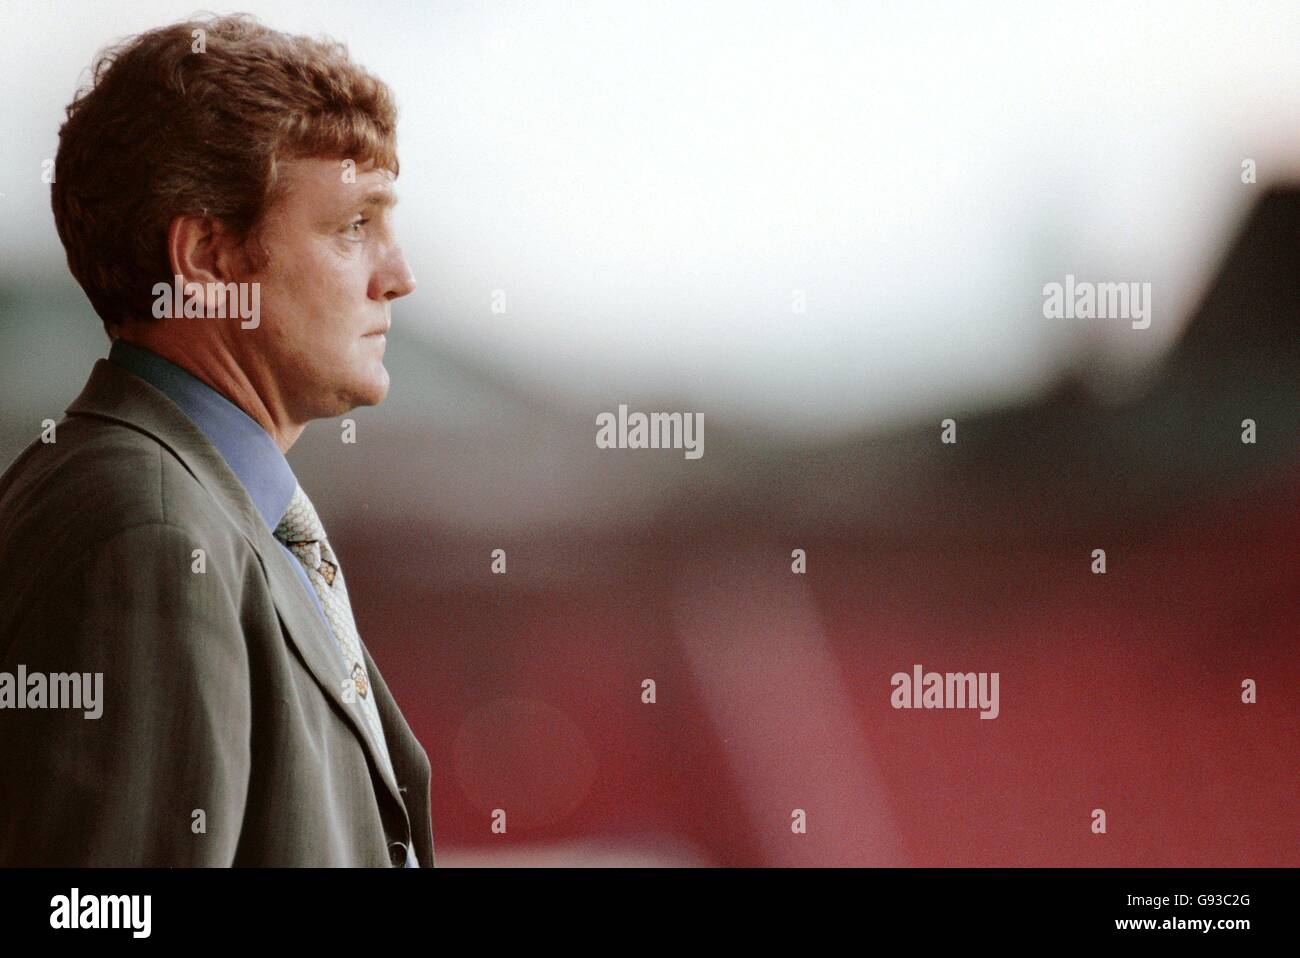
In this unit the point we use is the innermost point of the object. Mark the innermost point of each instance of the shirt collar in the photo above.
(248, 449)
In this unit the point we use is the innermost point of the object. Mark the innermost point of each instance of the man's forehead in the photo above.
(343, 180)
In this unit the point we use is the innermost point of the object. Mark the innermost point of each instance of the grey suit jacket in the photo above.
(225, 737)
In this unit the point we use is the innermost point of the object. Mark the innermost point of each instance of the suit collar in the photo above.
(116, 395)
(112, 393)
(247, 448)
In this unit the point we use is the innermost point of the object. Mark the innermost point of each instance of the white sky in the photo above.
(650, 182)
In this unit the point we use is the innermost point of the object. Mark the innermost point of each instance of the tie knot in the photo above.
(300, 522)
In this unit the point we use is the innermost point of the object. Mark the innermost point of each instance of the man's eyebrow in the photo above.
(380, 196)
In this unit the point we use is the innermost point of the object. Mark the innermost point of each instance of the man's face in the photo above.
(334, 269)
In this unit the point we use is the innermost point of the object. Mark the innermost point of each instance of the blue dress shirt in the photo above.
(248, 449)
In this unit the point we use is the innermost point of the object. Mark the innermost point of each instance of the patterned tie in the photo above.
(301, 531)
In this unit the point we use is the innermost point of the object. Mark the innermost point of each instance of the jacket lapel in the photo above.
(317, 646)
(115, 394)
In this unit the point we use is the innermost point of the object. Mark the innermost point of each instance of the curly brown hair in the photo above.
(176, 121)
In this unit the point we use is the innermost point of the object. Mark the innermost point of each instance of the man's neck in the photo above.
(219, 371)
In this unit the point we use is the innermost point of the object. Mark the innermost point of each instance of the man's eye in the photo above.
(354, 230)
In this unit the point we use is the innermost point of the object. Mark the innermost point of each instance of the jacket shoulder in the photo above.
(98, 478)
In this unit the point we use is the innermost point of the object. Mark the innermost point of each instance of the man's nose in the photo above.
(393, 279)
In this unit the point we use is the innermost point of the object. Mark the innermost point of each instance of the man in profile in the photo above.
(224, 195)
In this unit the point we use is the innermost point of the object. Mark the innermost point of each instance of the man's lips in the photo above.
(381, 330)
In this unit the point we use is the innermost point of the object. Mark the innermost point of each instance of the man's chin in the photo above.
(374, 392)
(370, 391)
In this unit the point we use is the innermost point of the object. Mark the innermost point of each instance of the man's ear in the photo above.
(201, 249)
